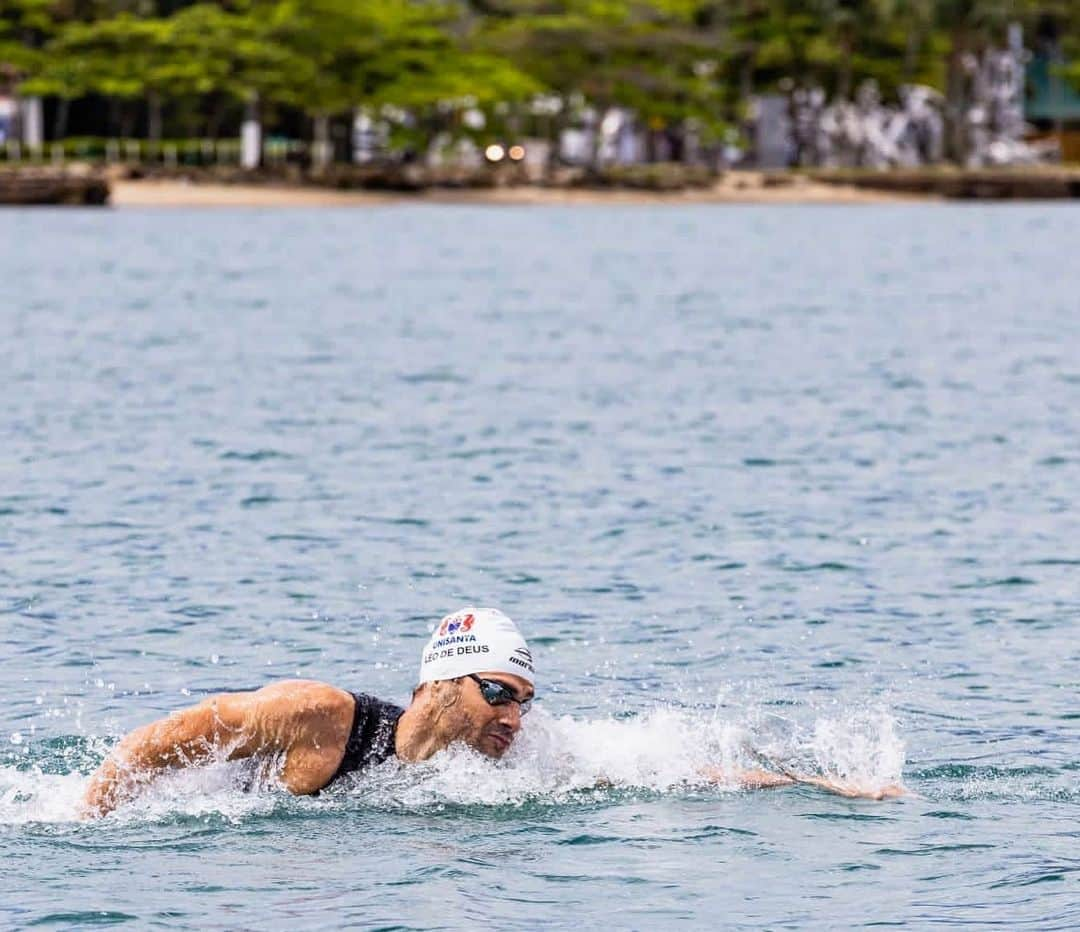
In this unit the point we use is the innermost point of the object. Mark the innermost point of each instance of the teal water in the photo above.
(795, 479)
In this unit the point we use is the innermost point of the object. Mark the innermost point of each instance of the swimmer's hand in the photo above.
(108, 787)
(852, 790)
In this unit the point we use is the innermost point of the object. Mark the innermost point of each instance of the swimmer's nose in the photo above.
(510, 716)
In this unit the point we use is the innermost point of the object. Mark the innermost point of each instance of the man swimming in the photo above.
(476, 682)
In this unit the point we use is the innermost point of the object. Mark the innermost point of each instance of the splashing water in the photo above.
(554, 760)
(220, 789)
(33, 796)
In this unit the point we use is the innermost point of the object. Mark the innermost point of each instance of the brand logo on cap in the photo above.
(522, 658)
(455, 624)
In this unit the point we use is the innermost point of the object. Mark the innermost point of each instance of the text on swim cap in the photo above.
(456, 639)
(458, 651)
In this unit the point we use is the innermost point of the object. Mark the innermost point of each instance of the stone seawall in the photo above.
(48, 186)
(1034, 183)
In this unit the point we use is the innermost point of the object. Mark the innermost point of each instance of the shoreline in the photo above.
(83, 185)
(744, 188)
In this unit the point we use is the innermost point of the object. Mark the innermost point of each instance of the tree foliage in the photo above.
(670, 60)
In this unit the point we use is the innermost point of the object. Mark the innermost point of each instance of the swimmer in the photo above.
(476, 683)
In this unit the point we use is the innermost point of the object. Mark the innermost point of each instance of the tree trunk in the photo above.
(843, 80)
(554, 134)
(153, 120)
(61, 121)
(746, 78)
(956, 99)
(322, 151)
(911, 53)
(217, 114)
(127, 120)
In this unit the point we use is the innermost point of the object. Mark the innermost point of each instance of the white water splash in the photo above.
(32, 796)
(662, 751)
(554, 759)
(228, 791)
(861, 749)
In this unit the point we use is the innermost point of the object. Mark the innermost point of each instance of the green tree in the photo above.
(659, 58)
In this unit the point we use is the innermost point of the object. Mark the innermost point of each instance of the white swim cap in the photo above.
(475, 640)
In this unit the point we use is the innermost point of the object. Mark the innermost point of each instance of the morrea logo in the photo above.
(456, 623)
(523, 652)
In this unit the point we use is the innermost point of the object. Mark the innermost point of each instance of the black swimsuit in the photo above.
(371, 740)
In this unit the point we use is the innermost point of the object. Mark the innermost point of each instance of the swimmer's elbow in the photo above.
(93, 806)
(305, 785)
(308, 769)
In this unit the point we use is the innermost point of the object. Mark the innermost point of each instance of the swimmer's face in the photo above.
(489, 729)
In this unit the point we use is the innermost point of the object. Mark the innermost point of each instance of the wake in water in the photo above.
(663, 751)
(553, 760)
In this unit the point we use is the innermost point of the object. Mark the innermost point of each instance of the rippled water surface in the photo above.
(800, 480)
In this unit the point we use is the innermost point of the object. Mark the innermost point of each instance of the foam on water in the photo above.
(33, 796)
(218, 789)
(554, 760)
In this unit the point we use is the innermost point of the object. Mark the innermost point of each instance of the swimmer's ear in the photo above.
(445, 693)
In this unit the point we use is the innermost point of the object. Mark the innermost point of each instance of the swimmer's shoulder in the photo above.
(307, 707)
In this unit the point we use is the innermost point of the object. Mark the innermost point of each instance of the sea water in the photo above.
(792, 481)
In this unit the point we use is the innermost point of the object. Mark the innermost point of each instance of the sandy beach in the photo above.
(735, 188)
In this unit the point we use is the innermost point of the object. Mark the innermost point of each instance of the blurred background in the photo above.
(412, 92)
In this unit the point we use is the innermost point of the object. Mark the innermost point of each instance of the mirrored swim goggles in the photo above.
(495, 693)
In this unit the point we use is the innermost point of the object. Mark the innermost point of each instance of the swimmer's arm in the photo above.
(764, 779)
(851, 790)
(750, 779)
(308, 722)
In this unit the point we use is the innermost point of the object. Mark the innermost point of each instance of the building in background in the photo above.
(1052, 104)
